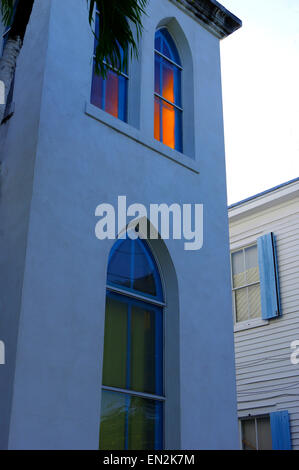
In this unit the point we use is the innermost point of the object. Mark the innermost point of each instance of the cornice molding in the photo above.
(211, 14)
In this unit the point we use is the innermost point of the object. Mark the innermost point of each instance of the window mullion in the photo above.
(169, 102)
(168, 59)
(160, 102)
(128, 400)
(246, 285)
(135, 393)
(247, 289)
(128, 372)
(135, 296)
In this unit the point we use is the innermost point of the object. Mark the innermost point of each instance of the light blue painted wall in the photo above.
(18, 143)
(81, 162)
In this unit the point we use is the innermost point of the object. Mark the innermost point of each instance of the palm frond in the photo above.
(115, 32)
(7, 11)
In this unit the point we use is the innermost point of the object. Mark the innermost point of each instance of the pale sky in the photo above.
(260, 81)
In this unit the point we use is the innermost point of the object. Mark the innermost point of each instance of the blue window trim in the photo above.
(280, 430)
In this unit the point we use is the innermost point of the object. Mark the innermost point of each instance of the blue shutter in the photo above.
(270, 299)
(280, 429)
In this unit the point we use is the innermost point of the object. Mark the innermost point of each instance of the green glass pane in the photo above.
(144, 424)
(113, 421)
(143, 349)
(115, 344)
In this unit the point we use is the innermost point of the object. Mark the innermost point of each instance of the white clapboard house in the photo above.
(264, 241)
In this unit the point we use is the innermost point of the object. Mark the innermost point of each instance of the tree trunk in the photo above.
(13, 46)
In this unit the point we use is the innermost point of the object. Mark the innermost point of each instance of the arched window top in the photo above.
(133, 268)
(166, 46)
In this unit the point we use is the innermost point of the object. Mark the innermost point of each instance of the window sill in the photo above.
(247, 325)
(135, 134)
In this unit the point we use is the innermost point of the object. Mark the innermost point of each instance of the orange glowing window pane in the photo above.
(168, 120)
(157, 120)
(112, 93)
(168, 83)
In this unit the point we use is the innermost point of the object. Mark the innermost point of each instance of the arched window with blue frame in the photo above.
(168, 100)
(132, 381)
(110, 93)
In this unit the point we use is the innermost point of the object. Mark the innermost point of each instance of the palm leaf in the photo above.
(7, 11)
(117, 17)
(115, 33)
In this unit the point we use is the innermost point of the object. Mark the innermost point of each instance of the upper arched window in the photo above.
(132, 383)
(168, 105)
(110, 94)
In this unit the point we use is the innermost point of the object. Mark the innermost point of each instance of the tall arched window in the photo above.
(110, 94)
(168, 106)
(132, 384)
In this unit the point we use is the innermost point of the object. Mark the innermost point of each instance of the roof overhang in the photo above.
(267, 199)
(212, 15)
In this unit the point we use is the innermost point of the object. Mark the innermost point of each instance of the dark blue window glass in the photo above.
(110, 94)
(168, 105)
(133, 267)
(133, 351)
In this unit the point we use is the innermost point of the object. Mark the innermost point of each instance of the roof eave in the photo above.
(214, 16)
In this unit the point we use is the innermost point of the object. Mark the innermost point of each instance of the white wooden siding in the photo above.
(266, 379)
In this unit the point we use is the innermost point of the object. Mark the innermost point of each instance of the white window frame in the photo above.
(249, 320)
(255, 418)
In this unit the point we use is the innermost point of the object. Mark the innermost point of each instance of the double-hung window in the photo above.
(266, 432)
(110, 93)
(256, 433)
(255, 280)
(246, 284)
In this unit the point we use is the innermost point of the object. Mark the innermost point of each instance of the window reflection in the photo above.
(130, 422)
